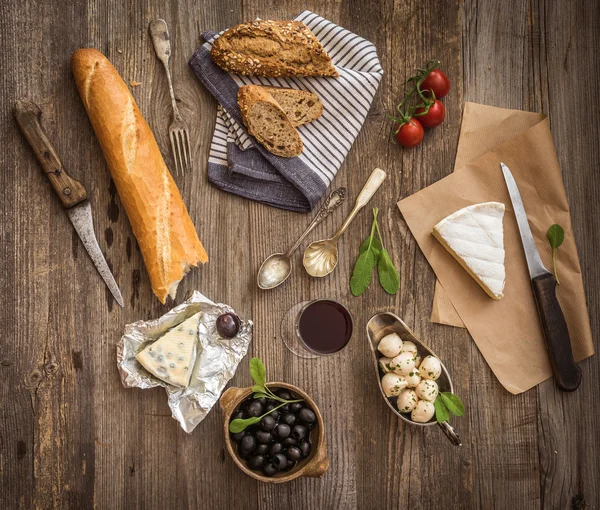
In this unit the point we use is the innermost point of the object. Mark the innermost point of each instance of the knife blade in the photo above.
(554, 326)
(71, 192)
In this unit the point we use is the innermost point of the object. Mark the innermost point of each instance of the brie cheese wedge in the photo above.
(475, 238)
(171, 358)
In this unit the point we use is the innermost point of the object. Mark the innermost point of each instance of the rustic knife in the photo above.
(566, 372)
(71, 192)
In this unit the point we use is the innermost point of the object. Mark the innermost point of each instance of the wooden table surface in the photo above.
(72, 437)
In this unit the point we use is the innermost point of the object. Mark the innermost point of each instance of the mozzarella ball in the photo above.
(392, 384)
(413, 378)
(423, 412)
(417, 360)
(390, 345)
(409, 347)
(430, 368)
(404, 363)
(385, 364)
(427, 390)
(407, 401)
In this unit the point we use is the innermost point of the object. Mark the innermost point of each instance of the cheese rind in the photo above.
(474, 236)
(171, 358)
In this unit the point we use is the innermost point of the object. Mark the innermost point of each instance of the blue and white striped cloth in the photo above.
(240, 165)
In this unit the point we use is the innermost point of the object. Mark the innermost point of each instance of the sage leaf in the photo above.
(363, 271)
(441, 411)
(258, 372)
(556, 236)
(239, 424)
(374, 242)
(453, 403)
(388, 274)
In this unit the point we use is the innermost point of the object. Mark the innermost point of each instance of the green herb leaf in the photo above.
(238, 424)
(441, 411)
(453, 403)
(258, 372)
(556, 236)
(363, 271)
(260, 395)
(375, 244)
(388, 274)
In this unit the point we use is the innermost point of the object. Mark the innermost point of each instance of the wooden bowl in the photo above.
(313, 466)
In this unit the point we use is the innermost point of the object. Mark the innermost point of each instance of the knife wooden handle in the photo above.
(566, 372)
(70, 191)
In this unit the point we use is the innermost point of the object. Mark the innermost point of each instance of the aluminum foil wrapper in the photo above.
(216, 361)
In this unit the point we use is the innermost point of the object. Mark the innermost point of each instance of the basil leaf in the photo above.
(260, 395)
(441, 412)
(556, 236)
(363, 271)
(238, 424)
(453, 403)
(388, 274)
(258, 372)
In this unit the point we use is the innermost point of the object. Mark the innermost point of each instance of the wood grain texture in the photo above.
(72, 437)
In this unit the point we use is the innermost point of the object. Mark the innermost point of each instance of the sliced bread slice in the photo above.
(267, 122)
(300, 106)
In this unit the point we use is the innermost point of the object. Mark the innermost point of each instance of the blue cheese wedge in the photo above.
(171, 358)
(474, 236)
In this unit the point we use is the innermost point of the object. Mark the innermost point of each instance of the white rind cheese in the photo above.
(171, 358)
(475, 238)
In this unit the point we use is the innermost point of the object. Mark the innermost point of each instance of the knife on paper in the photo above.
(567, 373)
(71, 192)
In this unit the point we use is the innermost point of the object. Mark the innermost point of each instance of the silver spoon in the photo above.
(321, 257)
(276, 268)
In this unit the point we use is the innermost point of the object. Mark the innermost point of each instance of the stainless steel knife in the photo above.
(556, 334)
(70, 191)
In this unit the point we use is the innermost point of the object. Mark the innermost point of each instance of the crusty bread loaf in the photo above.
(300, 106)
(159, 219)
(268, 123)
(272, 48)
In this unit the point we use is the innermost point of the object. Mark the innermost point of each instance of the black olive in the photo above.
(304, 448)
(248, 443)
(289, 441)
(244, 454)
(280, 461)
(284, 408)
(307, 415)
(296, 406)
(238, 437)
(228, 325)
(264, 437)
(284, 394)
(269, 469)
(275, 415)
(256, 462)
(288, 419)
(254, 409)
(293, 453)
(272, 402)
(238, 415)
(261, 449)
(261, 400)
(275, 449)
(299, 432)
(282, 430)
(290, 465)
(267, 423)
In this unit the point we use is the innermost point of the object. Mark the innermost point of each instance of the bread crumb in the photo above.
(119, 51)
(134, 83)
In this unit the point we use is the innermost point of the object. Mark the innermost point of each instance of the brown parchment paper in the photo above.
(507, 332)
(483, 128)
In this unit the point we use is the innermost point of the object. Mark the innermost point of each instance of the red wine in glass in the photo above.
(324, 326)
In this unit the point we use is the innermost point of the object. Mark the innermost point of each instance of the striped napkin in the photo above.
(240, 165)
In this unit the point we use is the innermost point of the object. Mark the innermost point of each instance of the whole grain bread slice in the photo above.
(272, 48)
(267, 122)
(300, 106)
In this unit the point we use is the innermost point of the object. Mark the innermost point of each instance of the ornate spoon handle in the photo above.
(334, 200)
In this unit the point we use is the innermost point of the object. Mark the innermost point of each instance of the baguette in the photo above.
(159, 219)
(272, 48)
(268, 123)
(300, 106)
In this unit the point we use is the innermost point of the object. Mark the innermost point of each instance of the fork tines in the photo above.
(180, 145)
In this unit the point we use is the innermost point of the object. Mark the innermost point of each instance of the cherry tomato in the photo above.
(435, 115)
(410, 134)
(437, 81)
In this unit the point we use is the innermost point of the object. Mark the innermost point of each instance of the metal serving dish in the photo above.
(383, 324)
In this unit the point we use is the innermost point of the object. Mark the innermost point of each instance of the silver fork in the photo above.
(179, 134)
